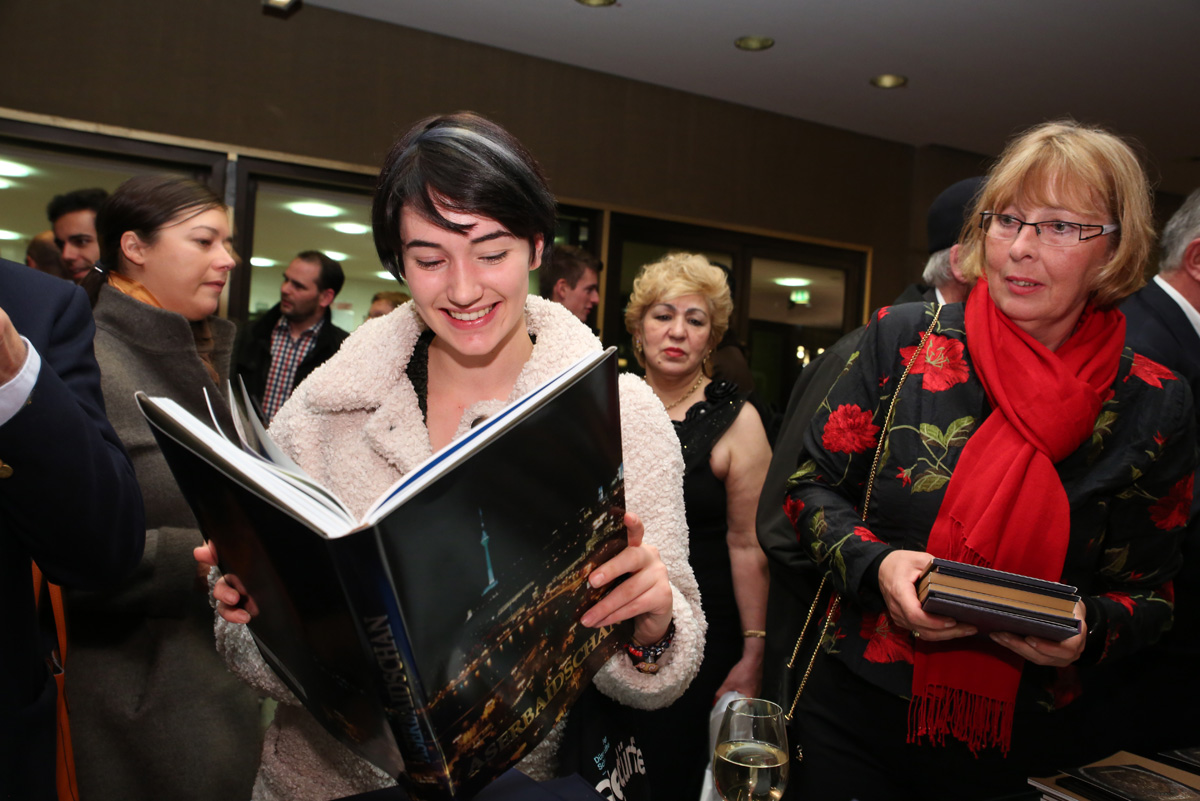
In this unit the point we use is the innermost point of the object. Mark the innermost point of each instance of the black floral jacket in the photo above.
(1129, 489)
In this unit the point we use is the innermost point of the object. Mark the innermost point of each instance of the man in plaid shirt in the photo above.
(290, 340)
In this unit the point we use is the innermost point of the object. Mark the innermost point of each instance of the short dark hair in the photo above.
(331, 275)
(465, 163)
(568, 263)
(45, 256)
(79, 200)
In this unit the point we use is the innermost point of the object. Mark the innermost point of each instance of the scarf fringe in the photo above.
(975, 720)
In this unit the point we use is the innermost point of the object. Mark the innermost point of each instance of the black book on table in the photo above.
(437, 636)
(994, 600)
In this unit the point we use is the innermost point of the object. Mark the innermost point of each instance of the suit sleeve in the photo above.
(72, 497)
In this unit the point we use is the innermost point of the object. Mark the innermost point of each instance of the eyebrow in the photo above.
(688, 310)
(500, 234)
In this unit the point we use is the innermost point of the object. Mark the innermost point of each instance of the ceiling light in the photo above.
(262, 261)
(385, 275)
(596, 3)
(889, 81)
(9, 235)
(335, 255)
(312, 209)
(281, 8)
(4, 184)
(350, 228)
(12, 169)
(793, 281)
(754, 43)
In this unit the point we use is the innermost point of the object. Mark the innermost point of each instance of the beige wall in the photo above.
(335, 86)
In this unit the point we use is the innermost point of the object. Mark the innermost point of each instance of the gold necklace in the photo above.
(688, 394)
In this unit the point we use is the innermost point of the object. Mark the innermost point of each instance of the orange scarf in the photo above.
(1005, 506)
(201, 331)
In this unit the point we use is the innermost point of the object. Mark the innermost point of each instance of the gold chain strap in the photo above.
(887, 426)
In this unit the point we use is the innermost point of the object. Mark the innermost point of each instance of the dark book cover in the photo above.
(444, 637)
(1122, 777)
(999, 601)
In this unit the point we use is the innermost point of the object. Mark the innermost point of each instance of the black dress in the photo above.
(675, 739)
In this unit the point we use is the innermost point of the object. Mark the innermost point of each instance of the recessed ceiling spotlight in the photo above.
(313, 209)
(281, 8)
(9, 235)
(889, 81)
(12, 169)
(793, 281)
(385, 275)
(754, 43)
(5, 184)
(335, 255)
(350, 228)
(596, 3)
(262, 261)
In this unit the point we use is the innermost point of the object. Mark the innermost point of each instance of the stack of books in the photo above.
(994, 600)
(1127, 777)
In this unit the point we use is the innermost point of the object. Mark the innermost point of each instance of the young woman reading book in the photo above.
(462, 214)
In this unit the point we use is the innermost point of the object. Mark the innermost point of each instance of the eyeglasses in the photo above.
(1058, 233)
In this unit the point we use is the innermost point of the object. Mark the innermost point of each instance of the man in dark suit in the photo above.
(68, 500)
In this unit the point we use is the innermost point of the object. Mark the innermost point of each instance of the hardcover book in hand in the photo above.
(438, 636)
(994, 600)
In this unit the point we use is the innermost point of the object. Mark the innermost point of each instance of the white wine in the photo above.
(750, 770)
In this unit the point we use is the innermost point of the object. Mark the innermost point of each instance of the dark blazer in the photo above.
(252, 355)
(1155, 326)
(71, 503)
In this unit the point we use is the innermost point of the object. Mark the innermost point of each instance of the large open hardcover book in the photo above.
(1121, 777)
(437, 636)
(997, 601)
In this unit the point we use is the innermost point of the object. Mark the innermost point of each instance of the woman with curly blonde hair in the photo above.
(678, 312)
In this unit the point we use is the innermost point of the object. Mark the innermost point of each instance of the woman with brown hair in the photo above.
(154, 712)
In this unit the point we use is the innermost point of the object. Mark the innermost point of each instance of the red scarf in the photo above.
(1005, 506)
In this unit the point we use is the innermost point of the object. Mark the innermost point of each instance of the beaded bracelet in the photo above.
(645, 657)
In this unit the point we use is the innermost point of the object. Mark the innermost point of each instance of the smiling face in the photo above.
(675, 335)
(186, 266)
(75, 235)
(1044, 289)
(470, 287)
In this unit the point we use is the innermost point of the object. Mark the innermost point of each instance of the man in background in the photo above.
(68, 500)
(572, 277)
(794, 577)
(42, 254)
(384, 303)
(942, 280)
(295, 336)
(73, 218)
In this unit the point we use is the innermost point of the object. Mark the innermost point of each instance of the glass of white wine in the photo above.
(750, 762)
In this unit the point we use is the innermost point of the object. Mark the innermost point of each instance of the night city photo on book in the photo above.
(438, 636)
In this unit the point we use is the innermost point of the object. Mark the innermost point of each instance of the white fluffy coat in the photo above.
(355, 425)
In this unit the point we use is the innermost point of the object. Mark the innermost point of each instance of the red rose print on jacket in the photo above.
(1150, 371)
(1172, 511)
(885, 643)
(849, 430)
(865, 535)
(792, 507)
(941, 363)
